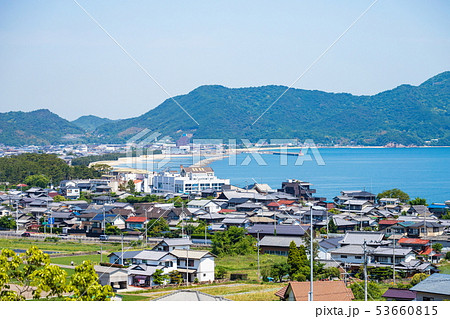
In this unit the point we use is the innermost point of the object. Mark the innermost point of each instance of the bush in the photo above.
(220, 272)
(447, 255)
(373, 291)
(51, 239)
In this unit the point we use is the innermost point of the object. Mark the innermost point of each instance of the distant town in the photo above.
(141, 231)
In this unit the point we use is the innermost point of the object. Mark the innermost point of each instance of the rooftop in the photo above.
(436, 284)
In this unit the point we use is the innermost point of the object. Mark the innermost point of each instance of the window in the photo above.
(190, 263)
(358, 257)
(204, 275)
(428, 298)
(343, 256)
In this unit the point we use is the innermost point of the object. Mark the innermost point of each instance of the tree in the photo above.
(37, 180)
(298, 262)
(159, 278)
(233, 241)
(394, 193)
(59, 198)
(279, 270)
(418, 278)
(131, 186)
(220, 272)
(332, 228)
(112, 230)
(418, 201)
(157, 227)
(373, 291)
(7, 222)
(447, 255)
(175, 277)
(30, 272)
(437, 247)
(84, 285)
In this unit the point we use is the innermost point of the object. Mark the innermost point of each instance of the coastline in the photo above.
(212, 157)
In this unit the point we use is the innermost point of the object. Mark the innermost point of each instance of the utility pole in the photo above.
(365, 271)
(122, 250)
(393, 260)
(187, 266)
(311, 257)
(257, 250)
(104, 224)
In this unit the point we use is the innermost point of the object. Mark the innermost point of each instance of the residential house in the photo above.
(322, 291)
(425, 229)
(278, 245)
(169, 244)
(261, 230)
(236, 221)
(385, 255)
(434, 288)
(359, 195)
(116, 277)
(205, 204)
(419, 210)
(136, 222)
(356, 206)
(298, 189)
(99, 222)
(195, 264)
(327, 245)
(397, 294)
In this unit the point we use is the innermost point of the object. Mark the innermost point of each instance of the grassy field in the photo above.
(248, 264)
(61, 246)
(445, 268)
(77, 260)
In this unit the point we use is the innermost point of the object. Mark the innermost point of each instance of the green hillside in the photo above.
(38, 127)
(90, 122)
(407, 115)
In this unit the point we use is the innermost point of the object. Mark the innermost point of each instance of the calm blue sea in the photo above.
(421, 172)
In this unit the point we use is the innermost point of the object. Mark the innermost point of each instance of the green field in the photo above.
(77, 260)
(248, 264)
(60, 246)
(445, 268)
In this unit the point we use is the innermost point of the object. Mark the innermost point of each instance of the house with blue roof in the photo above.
(100, 221)
(434, 288)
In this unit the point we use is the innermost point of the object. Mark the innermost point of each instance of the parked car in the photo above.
(104, 237)
(26, 234)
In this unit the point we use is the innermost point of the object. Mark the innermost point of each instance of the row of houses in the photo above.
(138, 267)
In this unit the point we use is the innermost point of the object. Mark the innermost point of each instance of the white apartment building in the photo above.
(188, 180)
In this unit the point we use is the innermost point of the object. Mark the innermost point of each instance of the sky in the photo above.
(53, 56)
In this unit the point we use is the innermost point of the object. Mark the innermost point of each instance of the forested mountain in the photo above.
(37, 127)
(90, 122)
(406, 115)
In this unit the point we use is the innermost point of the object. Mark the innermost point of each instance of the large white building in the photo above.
(188, 180)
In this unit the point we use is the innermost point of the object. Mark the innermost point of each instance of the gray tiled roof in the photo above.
(280, 241)
(357, 238)
(436, 283)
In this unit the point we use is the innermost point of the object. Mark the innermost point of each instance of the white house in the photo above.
(205, 204)
(195, 264)
(169, 244)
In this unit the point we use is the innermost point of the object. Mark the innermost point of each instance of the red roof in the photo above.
(224, 210)
(426, 251)
(413, 241)
(273, 204)
(136, 219)
(389, 221)
(286, 202)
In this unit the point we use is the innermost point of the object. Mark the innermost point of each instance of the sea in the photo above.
(421, 172)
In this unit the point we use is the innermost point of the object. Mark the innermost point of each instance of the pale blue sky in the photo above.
(53, 56)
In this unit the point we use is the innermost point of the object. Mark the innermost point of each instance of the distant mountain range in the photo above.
(90, 122)
(408, 115)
